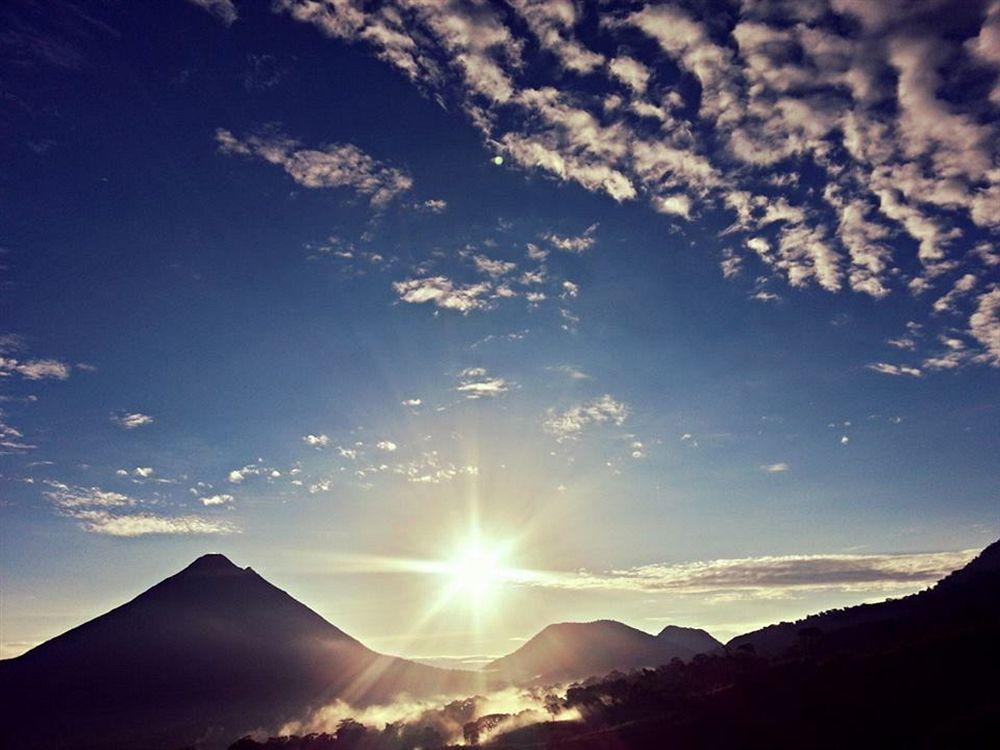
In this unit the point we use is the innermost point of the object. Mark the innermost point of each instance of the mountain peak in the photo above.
(213, 564)
(696, 639)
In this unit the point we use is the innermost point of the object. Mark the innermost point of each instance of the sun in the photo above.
(476, 569)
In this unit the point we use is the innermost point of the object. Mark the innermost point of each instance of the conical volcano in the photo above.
(212, 650)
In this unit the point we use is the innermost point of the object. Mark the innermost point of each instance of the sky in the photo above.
(682, 313)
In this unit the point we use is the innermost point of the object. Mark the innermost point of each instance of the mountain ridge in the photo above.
(576, 650)
(963, 591)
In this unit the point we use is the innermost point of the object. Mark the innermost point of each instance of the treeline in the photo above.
(937, 691)
(351, 735)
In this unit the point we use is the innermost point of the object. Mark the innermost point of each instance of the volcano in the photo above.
(211, 652)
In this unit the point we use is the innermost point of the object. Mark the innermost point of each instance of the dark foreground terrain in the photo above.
(216, 651)
(918, 672)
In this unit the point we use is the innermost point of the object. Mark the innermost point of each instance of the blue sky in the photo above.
(675, 302)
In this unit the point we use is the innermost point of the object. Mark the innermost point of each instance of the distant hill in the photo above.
(969, 592)
(695, 640)
(212, 651)
(917, 673)
(576, 650)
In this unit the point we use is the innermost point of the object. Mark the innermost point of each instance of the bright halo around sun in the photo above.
(477, 570)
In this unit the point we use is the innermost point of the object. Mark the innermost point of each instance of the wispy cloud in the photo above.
(476, 383)
(143, 524)
(984, 325)
(769, 575)
(224, 10)
(131, 420)
(111, 513)
(35, 369)
(577, 244)
(571, 372)
(29, 369)
(887, 368)
(492, 267)
(336, 165)
(571, 422)
(11, 438)
(869, 97)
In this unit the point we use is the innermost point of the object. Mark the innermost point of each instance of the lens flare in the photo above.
(476, 570)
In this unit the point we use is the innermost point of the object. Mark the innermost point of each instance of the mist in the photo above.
(455, 719)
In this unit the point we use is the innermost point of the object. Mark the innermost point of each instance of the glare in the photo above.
(476, 570)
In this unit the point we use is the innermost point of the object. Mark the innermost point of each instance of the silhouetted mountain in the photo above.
(575, 650)
(212, 651)
(969, 592)
(696, 640)
(918, 672)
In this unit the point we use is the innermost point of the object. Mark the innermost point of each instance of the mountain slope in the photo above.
(971, 593)
(197, 655)
(575, 650)
(918, 673)
(694, 639)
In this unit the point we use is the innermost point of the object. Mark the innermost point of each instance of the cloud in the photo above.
(29, 369)
(677, 204)
(224, 10)
(578, 244)
(573, 373)
(412, 402)
(962, 286)
(11, 438)
(570, 423)
(570, 290)
(35, 369)
(433, 206)
(430, 468)
(386, 445)
(491, 267)
(984, 325)
(878, 106)
(70, 497)
(631, 72)
(444, 293)
(237, 476)
(477, 383)
(216, 500)
(777, 468)
(316, 441)
(336, 165)
(730, 264)
(115, 514)
(131, 420)
(143, 524)
(552, 24)
(887, 368)
(771, 575)
(537, 253)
